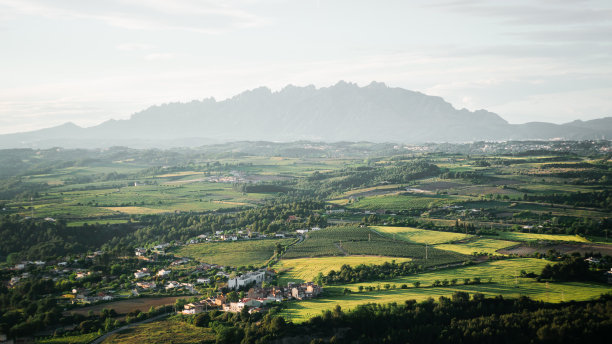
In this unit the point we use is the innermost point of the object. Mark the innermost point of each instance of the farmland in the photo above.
(401, 201)
(419, 236)
(478, 246)
(452, 215)
(126, 306)
(241, 253)
(305, 269)
(518, 236)
(505, 282)
(347, 240)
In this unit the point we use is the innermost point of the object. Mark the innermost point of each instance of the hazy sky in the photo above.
(87, 61)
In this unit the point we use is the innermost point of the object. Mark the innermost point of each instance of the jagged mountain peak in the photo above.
(340, 112)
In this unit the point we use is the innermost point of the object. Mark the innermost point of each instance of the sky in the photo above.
(89, 61)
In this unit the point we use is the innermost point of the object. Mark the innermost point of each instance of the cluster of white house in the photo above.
(256, 298)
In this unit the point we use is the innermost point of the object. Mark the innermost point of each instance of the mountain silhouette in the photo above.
(342, 112)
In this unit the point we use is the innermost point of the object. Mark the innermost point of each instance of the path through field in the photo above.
(341, 249)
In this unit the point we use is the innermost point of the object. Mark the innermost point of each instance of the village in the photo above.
(159, 273)
(257, 297)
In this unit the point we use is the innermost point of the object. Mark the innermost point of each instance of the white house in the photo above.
(203, 280)
(193, 308)
(172, 285)
(163, 273)
(147, 285)
(251, 277)
(234, 307)
(141, 273)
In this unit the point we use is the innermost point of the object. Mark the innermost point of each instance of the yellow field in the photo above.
(489, 246)
(373, 188)
(179, 174)
(229, 202)
(534, 236)
(137, 210)
(420, 236)
(504, 283)
(305, 269)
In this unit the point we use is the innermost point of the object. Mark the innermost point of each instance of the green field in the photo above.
(238, 253)
(420, 236)
(481, 245)
(504, 282)
(166, 331)
(305, 269)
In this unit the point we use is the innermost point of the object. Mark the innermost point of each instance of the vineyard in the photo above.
(349, 240)
(403, 249)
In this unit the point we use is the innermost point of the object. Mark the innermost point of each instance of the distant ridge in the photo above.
(342, 112)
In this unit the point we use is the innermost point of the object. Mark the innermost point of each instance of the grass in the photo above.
(420, 236)
(504, 283)
(306, 269)
(482, 245)
(166, 331)
(76, 339)
(238, 253)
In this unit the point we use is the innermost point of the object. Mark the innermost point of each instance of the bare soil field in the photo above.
(439, 185)
(126, 306)
(524, 250)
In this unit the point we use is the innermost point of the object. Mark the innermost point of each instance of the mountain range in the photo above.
(342, 112)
